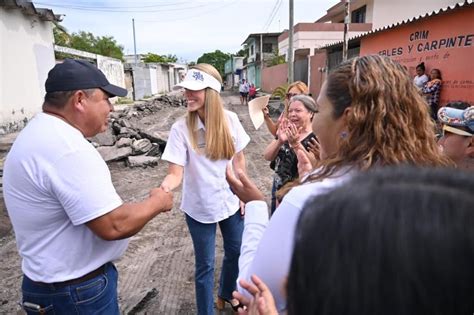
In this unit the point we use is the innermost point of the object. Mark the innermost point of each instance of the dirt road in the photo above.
(156, 273)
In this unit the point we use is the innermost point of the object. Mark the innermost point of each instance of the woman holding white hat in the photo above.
(199, 148)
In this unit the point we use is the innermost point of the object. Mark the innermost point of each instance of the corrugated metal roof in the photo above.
(28, 8)
(254, 35)
(466, 3)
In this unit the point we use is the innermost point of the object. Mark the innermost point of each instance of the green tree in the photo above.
(216, 58)
(242, 52)
(154, 58)
(83, 41)
(61, 35)
(108, 46)
(102, 45)
(86, 41)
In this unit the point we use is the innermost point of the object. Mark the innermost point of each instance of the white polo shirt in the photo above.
(55, 182)
(206, 195)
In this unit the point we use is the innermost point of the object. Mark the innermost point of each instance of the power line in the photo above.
(119, 10)
(189, 17)
(272, 15)
(94, 5)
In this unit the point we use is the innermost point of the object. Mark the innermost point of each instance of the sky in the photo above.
(185, 28)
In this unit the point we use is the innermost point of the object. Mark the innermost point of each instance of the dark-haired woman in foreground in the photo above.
(394, 241)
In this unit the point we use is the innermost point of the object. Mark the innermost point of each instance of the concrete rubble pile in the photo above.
(133, 134)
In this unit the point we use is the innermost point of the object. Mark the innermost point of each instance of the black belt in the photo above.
(87, 276)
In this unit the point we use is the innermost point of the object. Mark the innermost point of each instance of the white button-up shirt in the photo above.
(206, 196)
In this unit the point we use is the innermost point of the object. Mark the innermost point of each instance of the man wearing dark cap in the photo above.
(69, 222)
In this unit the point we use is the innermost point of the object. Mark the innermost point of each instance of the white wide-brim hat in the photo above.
(255, 110)
(196, 80)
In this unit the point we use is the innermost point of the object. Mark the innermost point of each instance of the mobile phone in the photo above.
(32, 306)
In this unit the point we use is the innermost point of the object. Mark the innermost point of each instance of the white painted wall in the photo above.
(387, 12)
(162, 78)
(26, 56)
(252, 55)
(238, 63)
(113, 70)
(312, 40)
(171, 77)
(153, 81)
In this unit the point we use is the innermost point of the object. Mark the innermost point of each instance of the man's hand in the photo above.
(243, 187)
(164, 199)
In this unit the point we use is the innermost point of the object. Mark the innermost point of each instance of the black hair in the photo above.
(391, 241)
(458, 105)
(439, 74)
(59, 99)
(421, 66)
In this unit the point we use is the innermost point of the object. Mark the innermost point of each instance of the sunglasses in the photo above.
(290, 95)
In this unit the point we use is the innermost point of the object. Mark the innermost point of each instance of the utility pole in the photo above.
(134, 43)
(347, 20)
(290, 46)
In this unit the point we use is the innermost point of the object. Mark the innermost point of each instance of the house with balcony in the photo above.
(365, 16)
(308, 37)
(233, 71)
(438, 38)
(262, 47)
(380, 13)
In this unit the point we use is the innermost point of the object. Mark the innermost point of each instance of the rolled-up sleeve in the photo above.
(176, 149)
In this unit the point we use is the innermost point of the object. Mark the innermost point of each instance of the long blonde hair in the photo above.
(219, 142)
(389, 123)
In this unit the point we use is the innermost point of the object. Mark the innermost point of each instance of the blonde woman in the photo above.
(363, 121)
(295, 88)
(199, 148)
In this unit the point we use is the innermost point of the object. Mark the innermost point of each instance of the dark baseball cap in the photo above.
(74, 74)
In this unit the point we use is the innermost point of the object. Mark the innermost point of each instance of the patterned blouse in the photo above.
(432, 90)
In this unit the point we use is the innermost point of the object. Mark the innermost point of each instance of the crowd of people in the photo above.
(430, 87)
(247, 91)
(371, 213)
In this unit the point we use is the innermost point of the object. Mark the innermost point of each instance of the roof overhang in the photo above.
(28, 8)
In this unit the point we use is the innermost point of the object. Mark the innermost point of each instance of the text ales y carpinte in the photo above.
(425, 44)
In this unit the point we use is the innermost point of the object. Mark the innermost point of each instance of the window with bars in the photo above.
(267, 48)
(358, 16)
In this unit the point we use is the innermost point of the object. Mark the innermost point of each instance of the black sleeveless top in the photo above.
(286, 162)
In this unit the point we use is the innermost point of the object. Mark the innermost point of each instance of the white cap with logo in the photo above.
(196, 80)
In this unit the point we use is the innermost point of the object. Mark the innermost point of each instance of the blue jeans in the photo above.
(273, 204)
(204, 240)
(94, 296)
